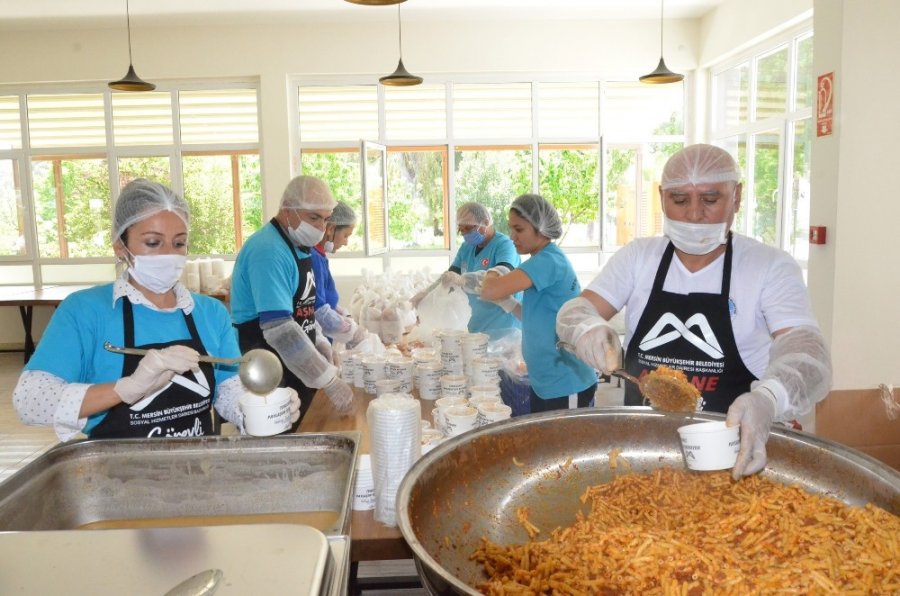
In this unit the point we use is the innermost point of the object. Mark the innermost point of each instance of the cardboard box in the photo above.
(860, 419)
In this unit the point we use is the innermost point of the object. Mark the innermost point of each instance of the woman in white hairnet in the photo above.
(483, 249)
(731, 312)
(558, 379)
(74, 385)
(273, 293)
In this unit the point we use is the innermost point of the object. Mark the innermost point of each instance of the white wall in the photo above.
(855, 278)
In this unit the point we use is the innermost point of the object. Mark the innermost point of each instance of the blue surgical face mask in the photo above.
(474, 237)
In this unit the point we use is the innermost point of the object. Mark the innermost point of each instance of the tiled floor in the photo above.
(19, 444)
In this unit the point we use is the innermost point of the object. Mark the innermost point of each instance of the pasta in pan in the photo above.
(673, 532)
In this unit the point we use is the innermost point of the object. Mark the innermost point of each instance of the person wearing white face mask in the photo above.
(731, 312)
(73, 384)
(273, 294)
(483, 249)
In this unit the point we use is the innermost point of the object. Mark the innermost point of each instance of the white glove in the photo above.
(799, 372)
(297, 352)
(323, 346)
(500, 270)
(596, 343)
(359, 335)
(451, 278)
(340, 394)
(471, 282)
(295, 405)
(755, 412)
(508, 304)
(154, 371)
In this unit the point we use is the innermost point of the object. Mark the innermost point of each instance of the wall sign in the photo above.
(824, 104)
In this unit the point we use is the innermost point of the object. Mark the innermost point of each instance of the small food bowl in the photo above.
(266, 415)
(709, 445)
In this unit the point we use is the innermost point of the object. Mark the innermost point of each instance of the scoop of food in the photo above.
(668, 389)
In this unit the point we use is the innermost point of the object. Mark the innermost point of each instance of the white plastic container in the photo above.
(710, 445)
(266, 415)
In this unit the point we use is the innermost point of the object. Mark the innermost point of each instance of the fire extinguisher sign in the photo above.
(825, 104)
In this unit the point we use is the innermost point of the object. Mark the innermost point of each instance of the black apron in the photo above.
(181, 409)
(250, 336)
(693, 333)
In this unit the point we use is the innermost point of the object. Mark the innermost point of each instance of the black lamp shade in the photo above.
(400, 77)
(661, 75)
(131, 82)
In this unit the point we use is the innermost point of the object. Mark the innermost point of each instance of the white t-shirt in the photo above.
(767, 290)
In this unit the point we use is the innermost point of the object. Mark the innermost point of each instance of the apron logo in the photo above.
(310, 287)
(200, 387)
(708, 344)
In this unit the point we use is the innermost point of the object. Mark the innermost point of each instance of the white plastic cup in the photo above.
(441, 406)
(710, 445)
(364, 487)
(431, 438)
(266, 415)
(490, 412)
(349, 364)
(476, 391)
(383, 386)
(476, 402)
(453, 386)
(373, 370)
(402, 368)
(429, 375)
(459, 419)
(485, 370)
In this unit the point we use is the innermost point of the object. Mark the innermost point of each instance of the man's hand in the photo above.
(755, 412)
(600, 347)
(340, 394)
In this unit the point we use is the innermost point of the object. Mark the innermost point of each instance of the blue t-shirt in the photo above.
(265, 276)
(487, 316)
(326, 291)
(553, 373)
(72, 345)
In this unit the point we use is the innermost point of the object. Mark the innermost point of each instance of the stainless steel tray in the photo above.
(78, 483)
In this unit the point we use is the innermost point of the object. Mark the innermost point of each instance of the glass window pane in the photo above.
(151, 168)
(492, 111)
(737, 147)
(142, 118)
(218, 116)
(418, 112)
(74, 120)
(493, 177)
(732, 96)
(417, 199)
(805, 83)
(771, 84)
(655, 156)
(73, 208)
(10, 123)
(766, 162)
(569, 179)
(338, 113)
(637, 112)
(568, 110)
(340, 169)
(251, 194)
(622, 166)
(209, 191)
(12, 214)
(798, 223)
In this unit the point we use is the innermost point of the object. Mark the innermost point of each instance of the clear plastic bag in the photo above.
(442, 308)
(515, 386)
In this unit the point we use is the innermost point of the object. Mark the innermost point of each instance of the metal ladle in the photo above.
(662, 391)
(260, 370)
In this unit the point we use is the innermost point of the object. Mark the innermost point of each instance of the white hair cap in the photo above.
(700, 164)
(539, 213)
(140, 199)
(473, 214)
(307, 192)
(343, 215)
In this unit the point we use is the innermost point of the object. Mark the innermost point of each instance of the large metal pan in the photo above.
(470, 486)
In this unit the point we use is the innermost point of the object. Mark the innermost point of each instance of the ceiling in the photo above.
(48, 14)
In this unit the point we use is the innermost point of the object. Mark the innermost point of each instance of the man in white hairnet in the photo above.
(484, 249)
(273, 294)
(731, 312)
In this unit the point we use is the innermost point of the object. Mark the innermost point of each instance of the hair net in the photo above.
(343, 215)
(700, 164)
(473, 214)
(539, 213)
(307, 192)
(140, 199)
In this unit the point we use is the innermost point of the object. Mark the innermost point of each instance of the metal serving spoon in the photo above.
(260, 370)
(662, 391)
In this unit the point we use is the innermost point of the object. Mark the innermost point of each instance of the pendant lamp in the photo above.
(131, 82)
(400, 77)
(375, 2)
(662, 74)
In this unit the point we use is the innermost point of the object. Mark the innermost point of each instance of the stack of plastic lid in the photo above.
(394, 445)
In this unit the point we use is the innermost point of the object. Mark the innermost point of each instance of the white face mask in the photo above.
(329, 247)
(306, 234)
(157, 273)
(695, 238)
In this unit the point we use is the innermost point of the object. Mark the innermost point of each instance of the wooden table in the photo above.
(27, 297)
(369, 540)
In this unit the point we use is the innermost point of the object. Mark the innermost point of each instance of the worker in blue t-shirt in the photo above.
(483, 249)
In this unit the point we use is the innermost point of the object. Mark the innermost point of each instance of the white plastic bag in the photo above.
(442, 308)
